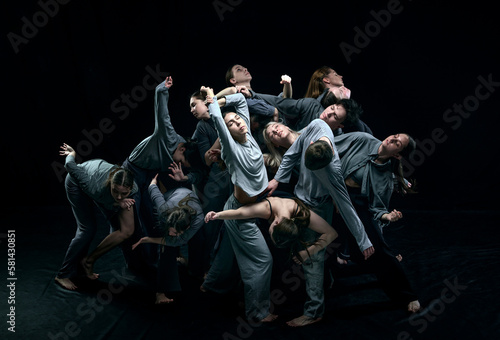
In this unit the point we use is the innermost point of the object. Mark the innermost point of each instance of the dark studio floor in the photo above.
(452, 259)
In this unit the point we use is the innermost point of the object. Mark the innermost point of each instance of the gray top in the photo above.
(244, 161)
(314, 187)
(170, 199)
(360, 149)
(91, 177)
(299, 111)
(155, 152)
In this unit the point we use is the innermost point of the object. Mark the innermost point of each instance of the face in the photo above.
(199, 109)
(333, 78)
(334, 115)
(174, 233)
(178, 155)
(394, 144)
(277, 132)
(119, 192)
(236, 125)
(240, 75)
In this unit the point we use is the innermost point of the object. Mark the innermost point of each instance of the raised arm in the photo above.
(163, 124)
(287, 86)
(75, 171)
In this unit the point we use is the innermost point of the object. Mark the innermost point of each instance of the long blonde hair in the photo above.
(275, 155)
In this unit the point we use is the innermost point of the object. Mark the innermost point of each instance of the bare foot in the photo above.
(161, 299)
(269, 318)
(89, 269)
(203, 289)
(341, 261)
(414, 306)
(66, 283)
(302, 321)
(399, 257)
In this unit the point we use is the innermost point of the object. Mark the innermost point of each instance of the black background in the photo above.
(427, 58)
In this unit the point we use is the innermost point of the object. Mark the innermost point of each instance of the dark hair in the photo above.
(328, 99)
(318, 155)
(202, 95)
(230, 75)
(397, 168)
(120, 176)
(192, 154)
(289, 233)
(353, 111)
(178, 217)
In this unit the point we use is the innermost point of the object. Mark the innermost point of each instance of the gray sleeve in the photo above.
(333, 180)
(78, 173)
(291, 158)
(163, 124)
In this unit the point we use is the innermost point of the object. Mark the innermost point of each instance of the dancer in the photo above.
(325, 80)
(180, 217)
(310, 189)
(156, 154)
(245, 164)
(94, 182)
(367, 167)
(218, 187)
(293, 226)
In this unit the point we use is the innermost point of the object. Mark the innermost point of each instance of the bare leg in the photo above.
(161, 299)
(112, 240)
(66, 283)
(302, 321)
(88, 267)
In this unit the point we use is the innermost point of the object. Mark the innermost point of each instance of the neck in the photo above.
(382, 156)
(244, 83)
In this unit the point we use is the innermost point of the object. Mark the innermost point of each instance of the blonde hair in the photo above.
(275, 155)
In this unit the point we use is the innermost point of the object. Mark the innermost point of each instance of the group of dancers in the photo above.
(259, 172)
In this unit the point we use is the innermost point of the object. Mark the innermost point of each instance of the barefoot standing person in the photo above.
(293, 226)
(245, 163)
(94, 182)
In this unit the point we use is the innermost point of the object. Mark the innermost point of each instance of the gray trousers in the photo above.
(314, 270)
(84, 210)
(243, 244)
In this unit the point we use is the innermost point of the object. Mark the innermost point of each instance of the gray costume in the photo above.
(85, 188)
(315, 187)
(168, 275)
(244, 243)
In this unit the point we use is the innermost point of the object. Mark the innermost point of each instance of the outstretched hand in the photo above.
(169, 82)
(177, 173)
(142, 240)
(209, 91)
(210, 216)
(66, 150)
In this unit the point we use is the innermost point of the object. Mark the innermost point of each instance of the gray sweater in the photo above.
(155, 152)
(171, 199)
(244, 161)
(358, 150)
(314, 187)
(91, 177)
